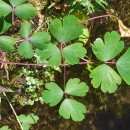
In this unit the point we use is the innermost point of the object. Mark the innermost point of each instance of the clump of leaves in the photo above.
(39, 40)
(28, 120)
(74, 87)
(104, 75)
(68, 30)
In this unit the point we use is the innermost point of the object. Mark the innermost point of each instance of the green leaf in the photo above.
(16, 2)
(71, 108)
(5, 24)
(52, 53)
(123, 66)
(110, 49)
(84, 36)
(26, 126)
(5, 8)
(5, 128)
(73, 53)
(25, 49)
(29, 119)
(76, 88)
(106, 77)
(53, 95)
(25, 11)
(66, 30)
(102, 3)
(40, 40)
(6, 43)
(25, 29)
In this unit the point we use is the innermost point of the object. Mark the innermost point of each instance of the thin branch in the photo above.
(102, 16)
(98, 17)
(62, 65)
(13, 111)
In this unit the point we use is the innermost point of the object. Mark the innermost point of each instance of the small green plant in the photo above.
(60, 46)
(74, 87)
(39, 40)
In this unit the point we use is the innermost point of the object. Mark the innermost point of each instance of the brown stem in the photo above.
(13, 15)
(98, 17)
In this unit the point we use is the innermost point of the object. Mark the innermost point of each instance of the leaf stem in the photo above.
(113, 62)
(64, 66)
(13, 110)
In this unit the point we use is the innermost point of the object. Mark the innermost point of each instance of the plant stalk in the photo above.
(13, 110)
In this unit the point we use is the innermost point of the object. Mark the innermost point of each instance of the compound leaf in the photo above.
(66, 30)
(53, 95)
(16, 2)
(123, 66)
(5, 8)
(52, 53)
(110, 49)
(40, 40)
(76, 88)
(6, 43)
(25, 11)
(25, 29)
(71, 108)
(73, 53)
(25, 49)
(106, 77)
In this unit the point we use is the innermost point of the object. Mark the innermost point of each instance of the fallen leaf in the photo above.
(125, 31)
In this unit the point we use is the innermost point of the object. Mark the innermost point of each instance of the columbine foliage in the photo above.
(18, 8)
(108, 49)
(67, 29)
(66, 50)
(64, 33)
(39, 40)
(106, 77)
(54, 94)
(123, 66)
(28, 120)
